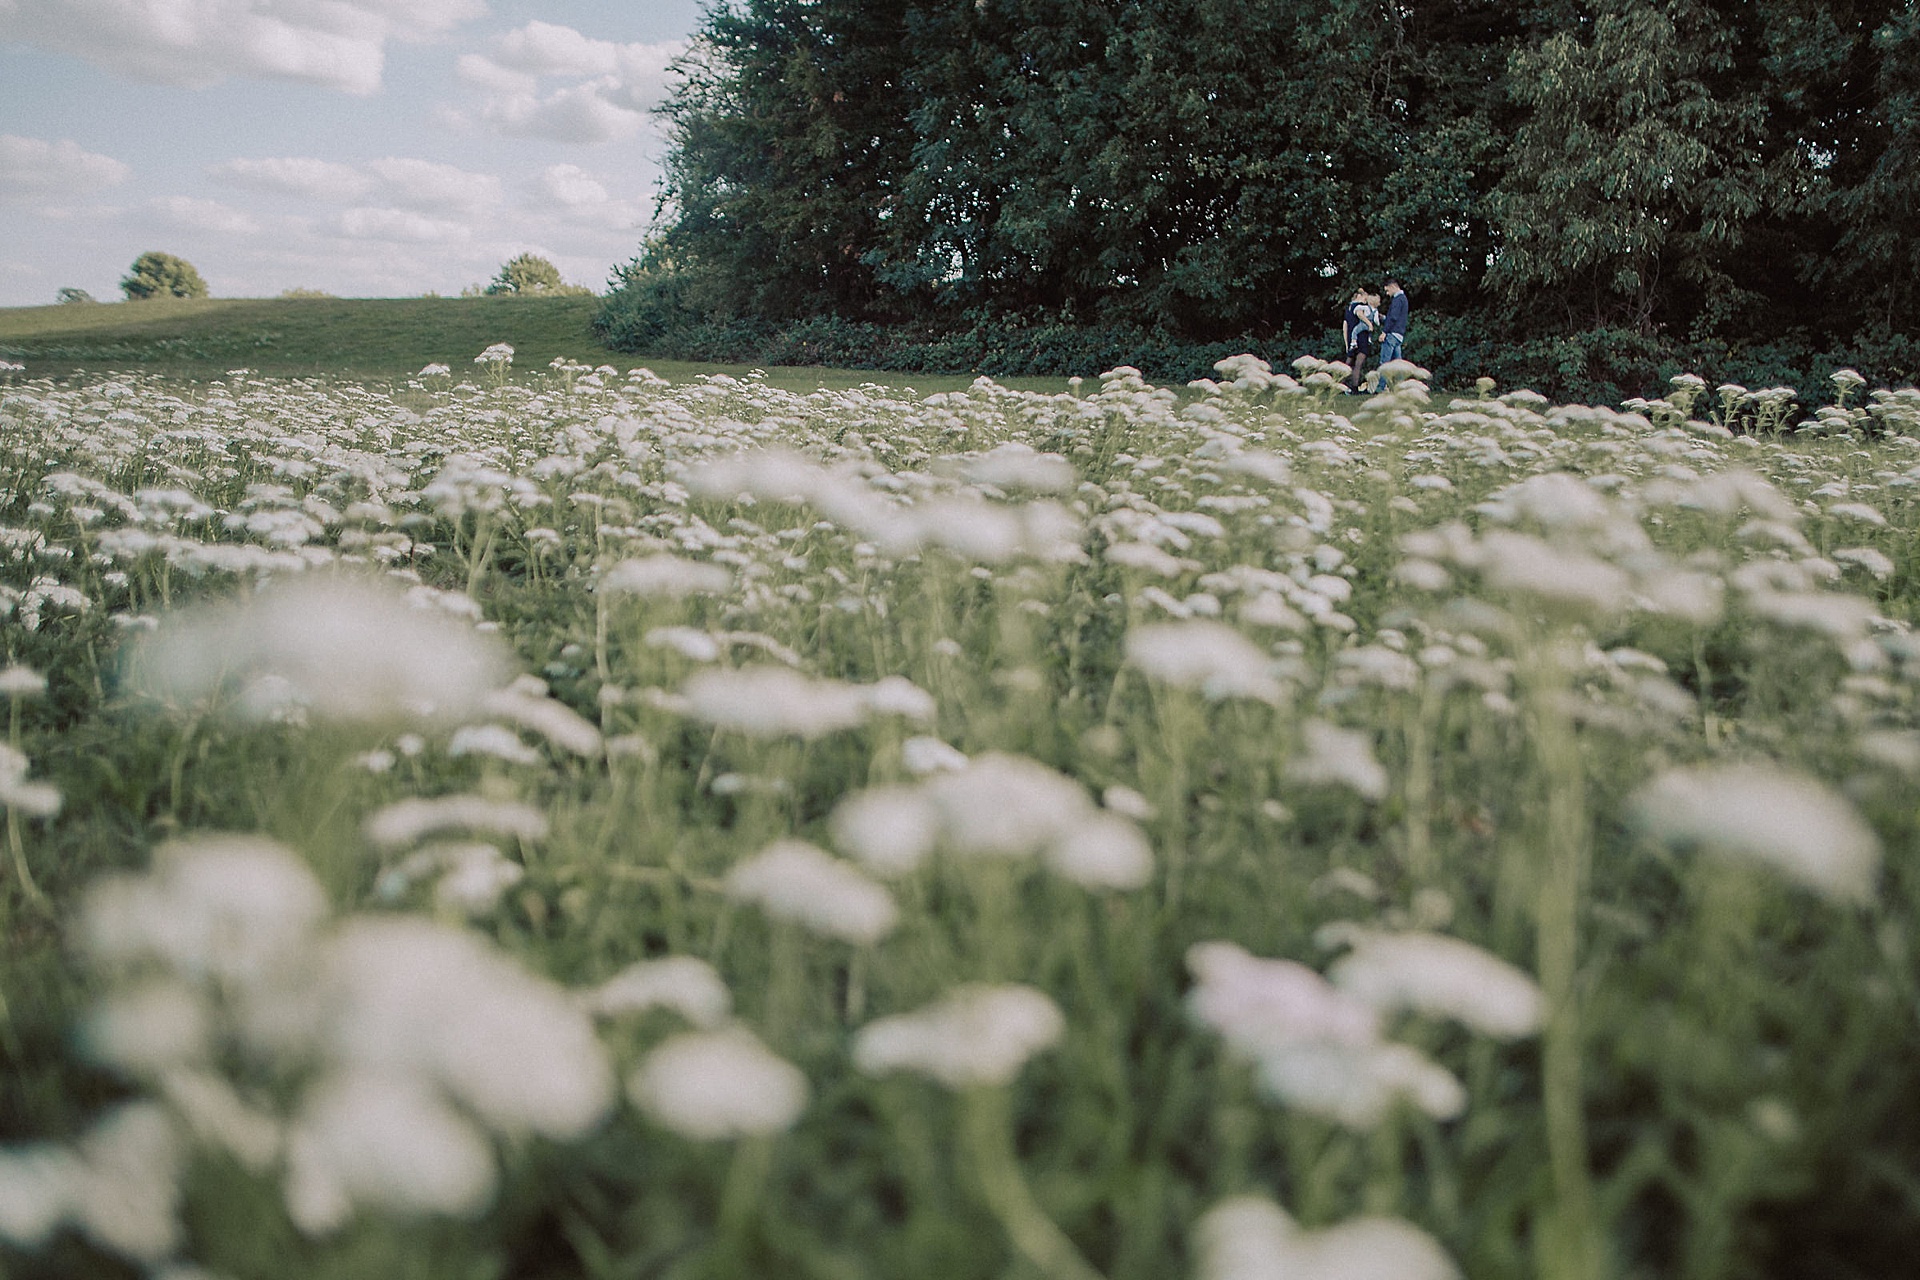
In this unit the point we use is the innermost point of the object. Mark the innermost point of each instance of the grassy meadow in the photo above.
(350, 338)
(536, 821)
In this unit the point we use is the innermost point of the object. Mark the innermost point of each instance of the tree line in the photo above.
(1600, 176)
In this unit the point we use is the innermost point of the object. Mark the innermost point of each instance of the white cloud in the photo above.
(614, 86)
(187, 213)
(399, 226)
(34, 170)
(576, 196)
(340, 44)
(300, 176)
(424, 186)
(432, 187)
(543, 49)
(581, 114)
(483, 72)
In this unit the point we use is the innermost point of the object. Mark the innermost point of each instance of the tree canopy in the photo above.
(162, 275)
(531, 274)
(1739, 170)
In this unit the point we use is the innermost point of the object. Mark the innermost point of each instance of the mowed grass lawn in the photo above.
(358, 339)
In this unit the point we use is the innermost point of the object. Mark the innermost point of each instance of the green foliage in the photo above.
(299, 292)
(1691, 173)
(530, 275)
(162, 275)
(71, 296)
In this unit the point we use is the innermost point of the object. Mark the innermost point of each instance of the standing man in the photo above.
(1393, 328)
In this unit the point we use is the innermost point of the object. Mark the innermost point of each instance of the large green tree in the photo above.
(1696, 170)
(162, 275)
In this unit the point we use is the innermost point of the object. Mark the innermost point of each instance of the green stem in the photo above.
(987, 1132)
(1570, 1245)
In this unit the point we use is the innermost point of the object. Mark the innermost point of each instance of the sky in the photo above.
(365, 148)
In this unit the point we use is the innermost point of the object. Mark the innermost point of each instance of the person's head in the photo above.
(1359, 295)
(1392, 286)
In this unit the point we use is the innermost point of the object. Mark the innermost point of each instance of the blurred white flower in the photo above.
(1339, 757)
(147, 1028)
(1252, 1238)
(773, 701)
(690, 987)
(1255, 1004)
(922, 755)
(382, 1141)
(405, 996)
(406, 821)
(1787, 822)
(664, 575)
(494, 740)
(1209, 657)
(891, 829)
(793, 880)
(35, 799)
(338, 648)
(975, 1035)
(719, 1084)
(1441, 977)
(1105, 851)
(1358, 1085)
(234, 909)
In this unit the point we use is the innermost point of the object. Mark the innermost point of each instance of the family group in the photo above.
(1366, 331)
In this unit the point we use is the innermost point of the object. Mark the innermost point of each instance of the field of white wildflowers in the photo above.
(575, 825)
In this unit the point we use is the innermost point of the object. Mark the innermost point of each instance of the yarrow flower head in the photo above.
(975, 1035)
(340, 648)
(793, 880)
(719, 1084)
(1252, 1238)
(1787, 822)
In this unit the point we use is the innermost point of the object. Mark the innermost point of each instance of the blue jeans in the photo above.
(1390, 346)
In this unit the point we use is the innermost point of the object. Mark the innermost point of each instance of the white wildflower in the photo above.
(1343, 757)
(1255, 1004)
(234, 909)
(664, 575)
(494, 740)
(1209, 657)
(35, 799)
(923, 755)
(1358, 1085)
(1874, 562)
(1105, 851)
(1251, 1238)
(719, 1084)
(146, 1028)
(383, 1141)
(975, 1035)
(1441, 977)
(793, 880)
(690, 987)
(405, 995)
(1790, 823)
(405, 822)
(342, 649)
(890, 829)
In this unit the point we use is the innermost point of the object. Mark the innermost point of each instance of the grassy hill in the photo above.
(359, 338)
(351, 337)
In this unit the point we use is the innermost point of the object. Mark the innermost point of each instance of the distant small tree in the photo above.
(70, 296)
(303, 292)
(531, 274)
(161, 275)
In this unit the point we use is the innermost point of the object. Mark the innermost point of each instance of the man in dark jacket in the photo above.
(1393, 327)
